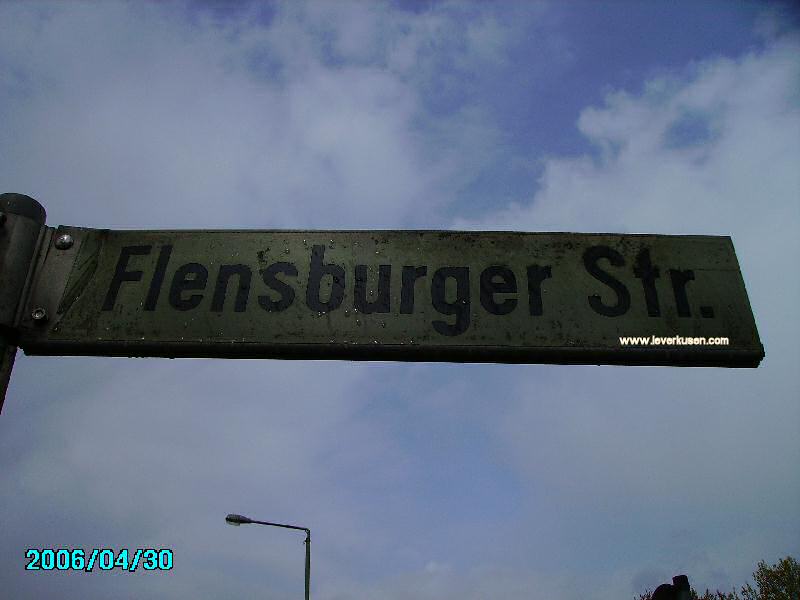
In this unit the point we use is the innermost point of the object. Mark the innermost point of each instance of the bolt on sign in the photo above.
(388, 295)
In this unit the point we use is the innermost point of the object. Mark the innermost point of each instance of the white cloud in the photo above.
(701, 447)
(636, 184)
(125, 114)
(132, 116)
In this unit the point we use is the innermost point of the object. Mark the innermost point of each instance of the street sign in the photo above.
(392, 295)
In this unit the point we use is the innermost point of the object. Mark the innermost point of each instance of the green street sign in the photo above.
(392, 295)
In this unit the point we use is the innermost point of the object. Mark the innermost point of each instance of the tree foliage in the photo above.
(780, 581)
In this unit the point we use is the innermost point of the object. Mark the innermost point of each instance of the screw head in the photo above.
(64, 242)
(39, 314)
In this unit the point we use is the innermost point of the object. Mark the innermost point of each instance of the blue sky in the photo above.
(419, 481)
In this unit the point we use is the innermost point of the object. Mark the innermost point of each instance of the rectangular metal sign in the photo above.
(393, 295)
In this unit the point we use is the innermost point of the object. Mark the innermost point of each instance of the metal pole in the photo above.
(307, 542)
(308, 561)
(8, 352)
(21, 227)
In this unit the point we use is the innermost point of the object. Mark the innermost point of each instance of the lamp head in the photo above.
(237, 520)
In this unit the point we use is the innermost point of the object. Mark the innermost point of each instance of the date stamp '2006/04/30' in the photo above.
(105, 559)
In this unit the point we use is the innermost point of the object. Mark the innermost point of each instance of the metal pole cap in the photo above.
(24, 206)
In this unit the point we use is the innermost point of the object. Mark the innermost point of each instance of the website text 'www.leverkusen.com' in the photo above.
(675, 340)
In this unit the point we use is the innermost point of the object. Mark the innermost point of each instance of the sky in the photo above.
(418, 480)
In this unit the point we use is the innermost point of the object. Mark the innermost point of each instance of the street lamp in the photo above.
(237, 520)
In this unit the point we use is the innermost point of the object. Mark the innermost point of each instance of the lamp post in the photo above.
(237, 520)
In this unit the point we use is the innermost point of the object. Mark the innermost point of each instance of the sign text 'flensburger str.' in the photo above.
(397, 295)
